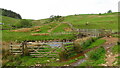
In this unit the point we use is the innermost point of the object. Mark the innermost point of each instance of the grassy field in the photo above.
(21, 36)
(95, 21)
(97, 43)
(29, 61)
(96, 57)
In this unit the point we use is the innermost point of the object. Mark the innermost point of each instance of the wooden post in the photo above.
(11, 48)
(63, 46)
(23, 48)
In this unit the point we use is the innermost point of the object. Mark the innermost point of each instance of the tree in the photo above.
(56, 18)
(110, 11)
(24, 23)
(10, 13)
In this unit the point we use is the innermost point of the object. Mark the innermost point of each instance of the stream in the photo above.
(52, 44)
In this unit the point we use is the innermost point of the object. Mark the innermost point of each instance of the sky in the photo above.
(40, 9)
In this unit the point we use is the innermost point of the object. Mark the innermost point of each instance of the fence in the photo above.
(36, 50)
(16, 49)
(42, 51)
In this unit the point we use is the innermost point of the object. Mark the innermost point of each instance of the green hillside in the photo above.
(82, 21)
(95, 21)
(9, 22)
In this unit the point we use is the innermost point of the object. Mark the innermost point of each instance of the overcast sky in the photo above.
(39, 9)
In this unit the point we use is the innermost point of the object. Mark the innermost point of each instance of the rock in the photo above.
(48, 60)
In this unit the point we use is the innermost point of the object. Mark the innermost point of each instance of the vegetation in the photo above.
(65, 62)
(29, 61)
(67, 52)
(24, 23)
(86, 43)
(21, 36)
(95, 57)
(110, 11)
(115, 49)
(78, 21)
(97, 43)
(9, 23)
(10, 13)
(118, 60)
(17, 29)
(79, 46)
(95, 21)
(56, 18)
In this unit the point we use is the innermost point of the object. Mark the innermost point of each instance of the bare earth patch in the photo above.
(110, 57)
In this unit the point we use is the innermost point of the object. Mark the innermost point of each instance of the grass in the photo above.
(21, 36)
(65, 62)
(106, 21)
(8, 22)
(116, 35)
(118, 60)
(28, 61)
(115, 49)
(61, 28)
(95, 21)
(45, 28)
(97, 43)
(95, 57)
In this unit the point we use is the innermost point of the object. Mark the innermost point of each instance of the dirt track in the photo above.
(110, 57)
(107, 45)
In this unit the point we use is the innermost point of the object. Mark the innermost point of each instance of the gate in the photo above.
(42, 51)
(36, 50)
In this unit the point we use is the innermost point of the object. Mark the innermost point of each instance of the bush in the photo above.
(82, 44)
(5, 53)
(24, 23)
(77, 47)
(97, 54)
(63, 55)
(87, 43)
(26, 52)
(56, 18)
(115, 49)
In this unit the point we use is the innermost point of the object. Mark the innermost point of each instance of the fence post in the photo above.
(23, 47)
(11, 48)
(63, 46)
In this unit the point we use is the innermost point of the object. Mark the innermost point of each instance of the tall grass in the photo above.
(95, 57)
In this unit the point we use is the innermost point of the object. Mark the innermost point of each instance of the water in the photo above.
(78, 62)
(58, 43)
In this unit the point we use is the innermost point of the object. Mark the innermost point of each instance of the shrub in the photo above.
(63, 55)
(24, 23)
(87, 43)
(115, 49)
(56, 18)
(26, 52)
(97, 54)
(5, 53)
(82, 44)
(77, 47)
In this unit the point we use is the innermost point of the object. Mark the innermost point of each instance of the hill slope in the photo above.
(82, 21)
(94, 21)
